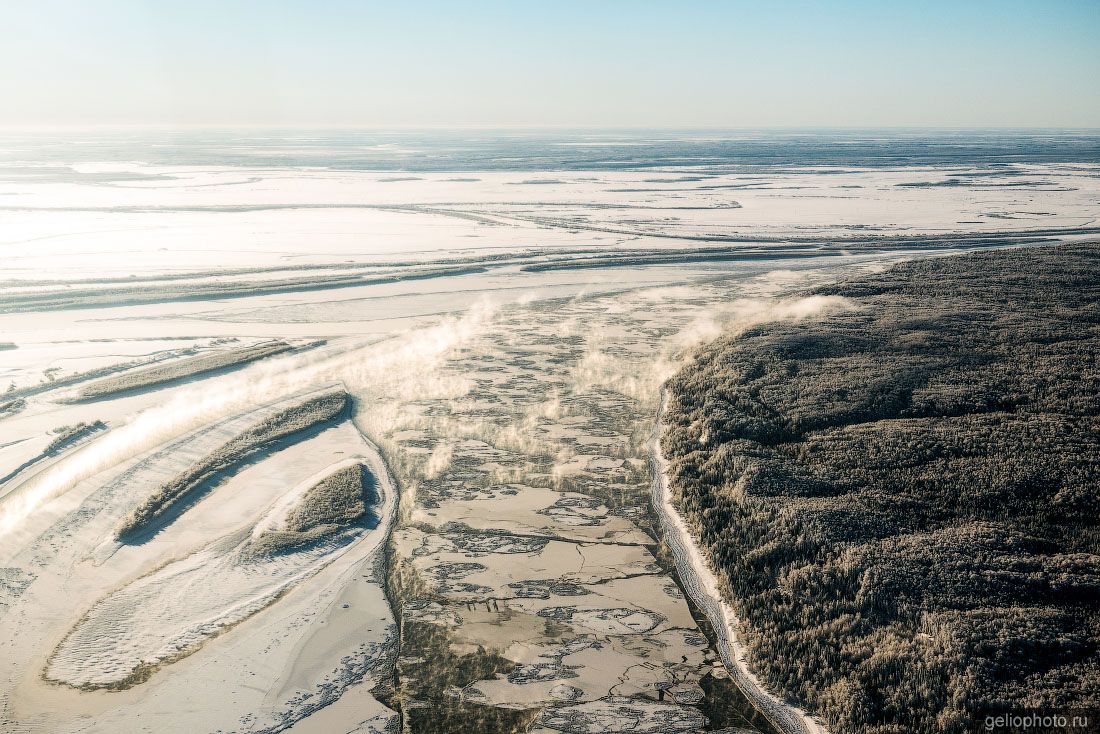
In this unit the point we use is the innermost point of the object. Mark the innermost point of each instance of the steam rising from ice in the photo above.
(401, 369)
(642, 380)
(405, 367)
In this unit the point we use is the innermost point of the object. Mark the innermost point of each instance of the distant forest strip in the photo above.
(901, 499)
(175, 370)
(16, 395)
(678, 258)
(140, 293)
(64, 437)
(107, 292)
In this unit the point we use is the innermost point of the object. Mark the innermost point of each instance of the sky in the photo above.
(590, 64)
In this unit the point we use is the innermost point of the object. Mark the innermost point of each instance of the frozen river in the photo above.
(501, 312)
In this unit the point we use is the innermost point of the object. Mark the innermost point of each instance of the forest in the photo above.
(175, 493)
(901, 498)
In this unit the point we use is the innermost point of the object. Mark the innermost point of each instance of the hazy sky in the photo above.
(561, 63)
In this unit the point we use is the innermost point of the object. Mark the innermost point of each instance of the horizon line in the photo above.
(539, 127)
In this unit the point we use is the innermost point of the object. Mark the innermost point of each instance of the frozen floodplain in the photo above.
(380, 459)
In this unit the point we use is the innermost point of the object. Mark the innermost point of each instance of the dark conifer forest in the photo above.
(901, 498)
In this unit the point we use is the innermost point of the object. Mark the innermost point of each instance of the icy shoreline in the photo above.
(701, 585)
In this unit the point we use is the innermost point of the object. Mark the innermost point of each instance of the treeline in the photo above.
(902, 498)
(180, 369)
(308, 414)
(325, 509)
